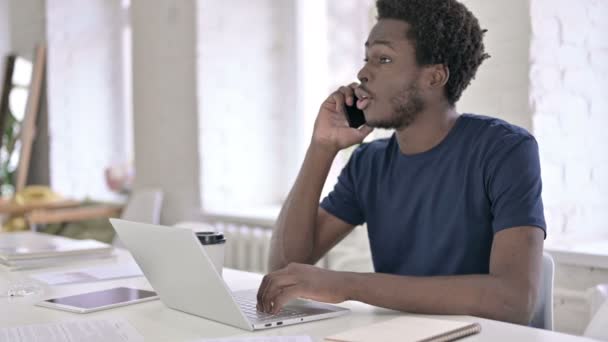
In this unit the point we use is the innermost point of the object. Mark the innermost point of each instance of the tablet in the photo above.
(99, 300)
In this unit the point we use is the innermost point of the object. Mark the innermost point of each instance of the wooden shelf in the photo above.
(9, 208)
(48, 216)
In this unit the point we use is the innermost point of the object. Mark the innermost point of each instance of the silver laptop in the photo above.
(176, 265)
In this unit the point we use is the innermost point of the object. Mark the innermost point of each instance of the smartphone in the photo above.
(99, 300)
(354, 115)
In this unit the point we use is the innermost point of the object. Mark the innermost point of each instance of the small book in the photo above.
(23, 246)
(409, 329)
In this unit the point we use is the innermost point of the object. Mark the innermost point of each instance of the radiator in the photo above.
(247, 241)
(247, 247)
(247, 244)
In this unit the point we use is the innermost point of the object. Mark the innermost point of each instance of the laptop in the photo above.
(179, 270)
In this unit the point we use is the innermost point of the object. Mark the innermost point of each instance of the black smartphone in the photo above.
(354, 115)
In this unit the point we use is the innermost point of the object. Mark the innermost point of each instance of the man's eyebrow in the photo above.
(380, 42)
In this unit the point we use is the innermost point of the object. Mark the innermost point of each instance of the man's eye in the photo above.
(381, 60)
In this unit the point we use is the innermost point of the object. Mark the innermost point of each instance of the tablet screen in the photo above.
(103, 298)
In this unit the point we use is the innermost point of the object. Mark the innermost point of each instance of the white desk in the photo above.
(156, 322)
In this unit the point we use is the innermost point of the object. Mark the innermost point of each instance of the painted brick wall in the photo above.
(246, 91)
(568, 87)
(85, 94)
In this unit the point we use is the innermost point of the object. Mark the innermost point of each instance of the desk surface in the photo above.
(156, 322)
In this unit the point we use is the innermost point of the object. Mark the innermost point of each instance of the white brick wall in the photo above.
(246, 95)
(85, 94)
(289, 50)
(568, 87)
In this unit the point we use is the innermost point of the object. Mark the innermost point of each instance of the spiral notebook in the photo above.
(409, 329)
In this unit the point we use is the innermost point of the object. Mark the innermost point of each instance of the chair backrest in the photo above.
(597, 295)
(597, 327)
(144, 206)
(543, 311)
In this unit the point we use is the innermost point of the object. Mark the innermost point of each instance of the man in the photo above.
(452, 202)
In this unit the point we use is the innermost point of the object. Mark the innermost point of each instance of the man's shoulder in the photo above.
(495, 140)
(492, 133)
(495, 126)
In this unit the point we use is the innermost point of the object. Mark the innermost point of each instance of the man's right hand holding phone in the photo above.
(331, 130)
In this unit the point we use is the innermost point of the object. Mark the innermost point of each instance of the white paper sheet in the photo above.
(89, 274)
(93, 330)
(259, 339)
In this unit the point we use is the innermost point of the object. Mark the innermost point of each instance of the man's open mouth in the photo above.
(364, 98)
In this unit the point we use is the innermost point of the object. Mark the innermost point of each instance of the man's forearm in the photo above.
(293, 237)
(485, 296)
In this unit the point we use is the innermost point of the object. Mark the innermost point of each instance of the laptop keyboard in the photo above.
(247, 301)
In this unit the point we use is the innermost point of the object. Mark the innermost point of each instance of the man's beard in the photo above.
(406, 107)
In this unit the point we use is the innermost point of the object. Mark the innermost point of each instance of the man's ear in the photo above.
(437, 76)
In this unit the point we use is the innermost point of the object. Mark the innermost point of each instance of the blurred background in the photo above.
(211, 103)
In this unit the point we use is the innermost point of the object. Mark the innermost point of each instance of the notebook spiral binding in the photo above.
(455, 335)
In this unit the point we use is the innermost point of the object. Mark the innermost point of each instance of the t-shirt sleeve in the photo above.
(342, 201)
(515, 186)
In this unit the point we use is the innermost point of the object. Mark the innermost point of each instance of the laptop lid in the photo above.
(179, 270)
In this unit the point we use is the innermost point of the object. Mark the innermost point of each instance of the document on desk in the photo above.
(90, 274)
(259, 339)
(91, 330)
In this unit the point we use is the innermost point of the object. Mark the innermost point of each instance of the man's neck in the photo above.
(427, 130)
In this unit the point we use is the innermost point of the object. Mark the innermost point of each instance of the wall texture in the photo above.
(568, 87)
(502, 83)
(27, 25)
(164, 104)
(5, 34)
(246, 71)
(85, 94)
(22, 28)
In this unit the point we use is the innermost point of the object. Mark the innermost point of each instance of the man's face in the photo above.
(389, 77)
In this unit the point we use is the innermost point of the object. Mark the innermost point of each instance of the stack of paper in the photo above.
(31, 250)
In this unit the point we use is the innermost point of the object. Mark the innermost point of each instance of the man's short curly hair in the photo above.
(443, 32)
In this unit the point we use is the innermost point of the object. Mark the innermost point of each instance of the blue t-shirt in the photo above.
(436, 212)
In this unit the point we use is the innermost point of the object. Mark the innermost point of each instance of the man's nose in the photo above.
(363, 75)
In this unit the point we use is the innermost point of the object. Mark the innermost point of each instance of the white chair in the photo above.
(143, 206)
(598, 326)
(543, 312)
